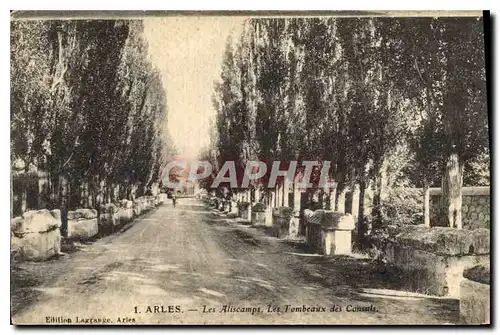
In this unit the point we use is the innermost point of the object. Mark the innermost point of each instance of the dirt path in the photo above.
(183, 265)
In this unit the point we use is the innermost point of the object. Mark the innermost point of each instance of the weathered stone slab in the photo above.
(474, 302)
(125, 203)
(337, 221)
(36, 221)
(479, 273)
(139, 206)
(329, 232)
(108, 216)
(329, 242)
(149, 202)
(82, 213)
(109, 208)
(337, 242)
(444, 240)
(37, 246)
(125, 215)
(82, 229)
(259, 219)
(245, 210)
(282, 225)
(259, 207)
(281, 219)
(36, 235)
(285, 212)
(429, 272)
(234, 208)
(480, 241)
(125, 212)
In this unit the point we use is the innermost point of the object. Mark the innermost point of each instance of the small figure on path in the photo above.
(174, 199)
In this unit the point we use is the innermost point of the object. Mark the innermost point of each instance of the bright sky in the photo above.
(188, 52)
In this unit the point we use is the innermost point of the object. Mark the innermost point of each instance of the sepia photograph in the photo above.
(250, 168)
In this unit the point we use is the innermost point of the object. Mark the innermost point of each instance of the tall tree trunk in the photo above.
(339, 196)
(451, 199)
(63, 204)
(24, 195)
(321, 197)
(84, 195)
(11, 196)
(54, 192)
(360, 223)
(41, 182)
(376, 208)
(283, 191)
(296, 197)
(426, 210)
(24, 190)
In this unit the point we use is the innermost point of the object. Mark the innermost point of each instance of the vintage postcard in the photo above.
(250, 168)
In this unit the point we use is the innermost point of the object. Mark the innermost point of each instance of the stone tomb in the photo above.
(329, 232)
(283, 221)
(433, 259)
(259, 216)
(125, 211)
(108, 217)
(475, 295)
(245, 210)
(82, 224)
(139, 206)
(36, 235)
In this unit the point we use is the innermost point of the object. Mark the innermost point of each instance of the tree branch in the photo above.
(64, 67)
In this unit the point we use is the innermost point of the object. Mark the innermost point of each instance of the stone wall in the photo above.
(475, 207)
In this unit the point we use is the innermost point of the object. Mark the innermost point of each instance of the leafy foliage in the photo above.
(87, 105)
(387, 100)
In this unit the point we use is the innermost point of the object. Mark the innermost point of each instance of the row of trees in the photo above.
(386, 100)
(87, 108)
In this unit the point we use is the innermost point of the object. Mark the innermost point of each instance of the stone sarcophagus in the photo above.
(329, 232)
(283, 221)
(260, 216)
(36, 235)
(150, 201)
(82, 224)
(245, 210)
(125, 211)
(433, 259)
(139, 206)
(475, 295)
(108, 216)
(233, 210)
